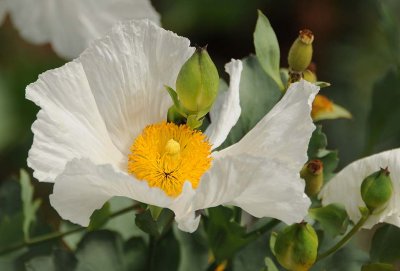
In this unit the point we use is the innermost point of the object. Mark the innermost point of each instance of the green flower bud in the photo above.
(197, 83)
(300, 54)
(296, 247)
(377, 189)
(313, 175)
(309, 76)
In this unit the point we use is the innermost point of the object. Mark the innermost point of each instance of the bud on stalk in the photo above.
(313, 175)
(296, 247)
(377, 189)
(197, 84)
(300, 53)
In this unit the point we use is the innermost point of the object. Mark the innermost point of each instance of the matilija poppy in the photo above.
(102, 132)
(345, 188)
(70, 25)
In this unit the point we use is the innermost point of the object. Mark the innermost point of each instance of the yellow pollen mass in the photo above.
(167, 155)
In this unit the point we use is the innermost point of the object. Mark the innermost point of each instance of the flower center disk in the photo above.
(167, 155)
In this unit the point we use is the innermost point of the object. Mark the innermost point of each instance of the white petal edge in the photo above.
(68, 125)
(71, 26)
(284, 133)
(345, 187)
(226, 109)
(127, 72)
(84, 187)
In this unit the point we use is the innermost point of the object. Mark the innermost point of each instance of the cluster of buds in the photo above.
(196, 90)
(300, 56)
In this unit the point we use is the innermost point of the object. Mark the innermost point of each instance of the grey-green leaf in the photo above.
(267, 48)
(29, 205)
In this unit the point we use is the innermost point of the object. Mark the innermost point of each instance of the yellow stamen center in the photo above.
(321, 104)
(167, 155)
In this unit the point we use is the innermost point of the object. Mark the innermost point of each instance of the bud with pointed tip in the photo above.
(296, 247)
(300, 53)
(377, 189)
(313, 175)
(197, 84)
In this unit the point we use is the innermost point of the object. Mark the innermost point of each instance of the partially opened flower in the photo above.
(71, 25)
(345, 187)
(102, 132)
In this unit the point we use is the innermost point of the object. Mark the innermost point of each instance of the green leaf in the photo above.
(267, 48)
(333, 218)
(29, 205)
(225, 236)
(136, 252)
(272, 241)
(317, 150)
(100, 217)
(100, 251)
(270, 265)
(383, 130)
(385, 245)
(336, 113)
(252, 256)
(59, 261)
(378, 267)
(146, 222)
(258, 94)
(166, 253)
(193, 249)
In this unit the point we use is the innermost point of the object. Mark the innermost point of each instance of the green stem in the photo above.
(152, 252)
(57, 235)
(345, 238)
(267, 227)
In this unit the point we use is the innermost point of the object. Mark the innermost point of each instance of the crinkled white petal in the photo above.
(345, 187)
(127, 72)
(84, 187)
(261, 186)
(226, 109)
(71, 25)
(274, 190)
(68, 125)
(3, 10)
(283, 134)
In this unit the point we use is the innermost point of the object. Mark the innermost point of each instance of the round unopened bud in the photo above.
(313, 175)
(296, 247)
(309, 76)
(300, 53)
(197, 83)
(377, 189)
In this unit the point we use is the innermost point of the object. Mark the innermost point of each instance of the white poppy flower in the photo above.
(70, 25)
(345, 187)
(101, 132)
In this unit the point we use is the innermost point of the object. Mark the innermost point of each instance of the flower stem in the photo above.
(57, 235)
(345, 238)
(260, 231)
(238, 215)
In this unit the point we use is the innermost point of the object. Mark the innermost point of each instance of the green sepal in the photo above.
(333, 218)
(156, 228)
(174, 96)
